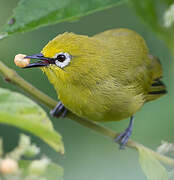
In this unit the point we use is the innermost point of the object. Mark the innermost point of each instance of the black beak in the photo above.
(45, 61)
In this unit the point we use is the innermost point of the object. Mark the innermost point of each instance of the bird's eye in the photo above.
(62, 59)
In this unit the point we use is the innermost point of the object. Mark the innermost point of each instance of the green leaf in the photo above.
(53, 171)
(22, 112)
(148, 12)
(152, 15)
(151, 166)
(31, 14)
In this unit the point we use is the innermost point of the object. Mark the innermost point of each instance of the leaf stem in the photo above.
(14, 78)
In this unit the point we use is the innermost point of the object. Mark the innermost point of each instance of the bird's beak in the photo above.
(43, 61)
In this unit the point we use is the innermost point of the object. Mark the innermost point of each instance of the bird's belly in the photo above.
(101, 108)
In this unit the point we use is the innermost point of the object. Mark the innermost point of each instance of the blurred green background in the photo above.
(90, 155)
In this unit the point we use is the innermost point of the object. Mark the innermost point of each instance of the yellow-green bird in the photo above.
(106, 77)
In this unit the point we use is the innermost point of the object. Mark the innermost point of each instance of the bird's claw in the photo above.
(59, 110)
(123, 137)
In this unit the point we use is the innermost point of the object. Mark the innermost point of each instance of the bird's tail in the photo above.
(157, 88)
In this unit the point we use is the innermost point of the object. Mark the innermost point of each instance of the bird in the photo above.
(102, 78)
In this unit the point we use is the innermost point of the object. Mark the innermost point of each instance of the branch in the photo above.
(12, 77)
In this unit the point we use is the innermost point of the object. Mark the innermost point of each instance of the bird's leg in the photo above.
(59, 110)
(124, 137)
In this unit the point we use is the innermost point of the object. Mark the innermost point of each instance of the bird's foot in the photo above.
(59, 110)
(124, 136)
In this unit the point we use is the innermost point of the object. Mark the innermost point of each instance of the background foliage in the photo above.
(88, 155)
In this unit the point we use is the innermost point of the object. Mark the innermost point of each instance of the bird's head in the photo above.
(69, 57)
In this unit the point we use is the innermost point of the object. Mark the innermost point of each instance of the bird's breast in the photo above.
(100, 103)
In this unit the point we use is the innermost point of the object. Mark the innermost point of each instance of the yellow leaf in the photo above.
(152, 168)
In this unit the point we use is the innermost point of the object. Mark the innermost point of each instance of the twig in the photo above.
(11, 76)
(14, 78)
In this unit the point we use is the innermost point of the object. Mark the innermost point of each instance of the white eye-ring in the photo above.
(62, 59)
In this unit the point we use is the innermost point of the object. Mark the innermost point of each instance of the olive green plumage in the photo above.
(110, 76)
